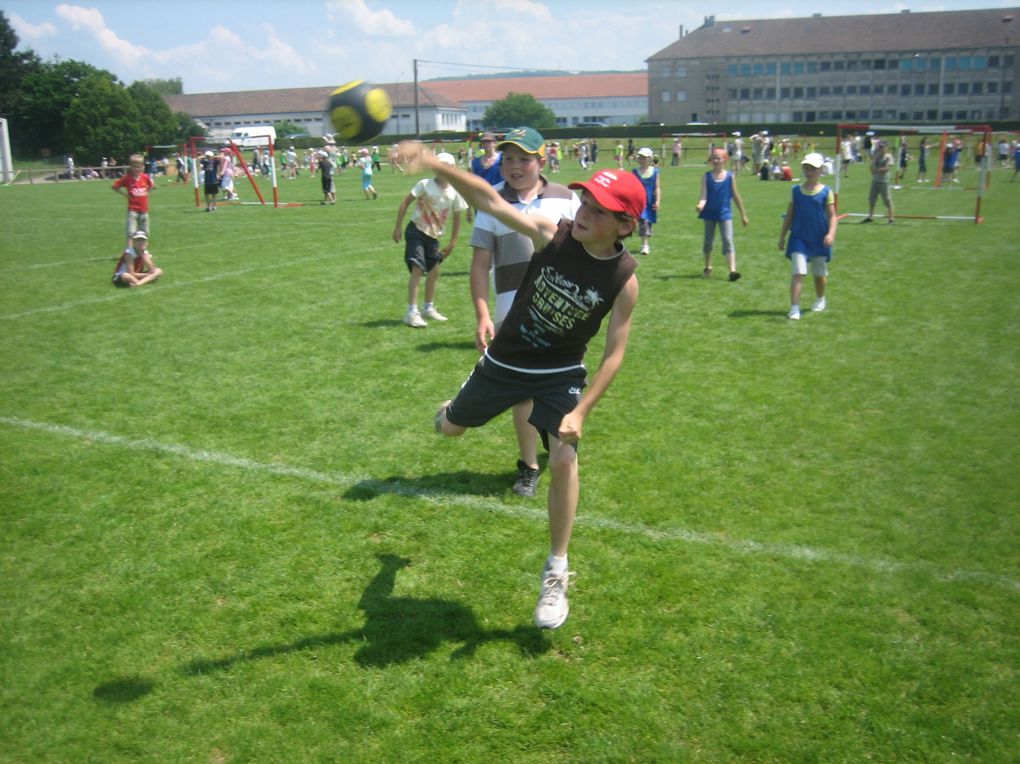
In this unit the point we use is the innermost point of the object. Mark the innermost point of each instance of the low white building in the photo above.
(610, 98)
(222, 113)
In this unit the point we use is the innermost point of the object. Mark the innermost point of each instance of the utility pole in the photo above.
(417, 125)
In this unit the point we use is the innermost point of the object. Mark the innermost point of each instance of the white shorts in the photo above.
(799, 265)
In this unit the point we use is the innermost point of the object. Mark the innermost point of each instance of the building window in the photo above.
(759, 93)
(666, 96)
(759, 70)
(949, 88)
(798, 92)
(784, 93)
(838, 66)
(680, 72)
(770, 93)
(731, 70)
(963, 88)
(681, 96)
(878, 63)
(745, 70)
(837, 90)
(825, 66)
(919, 89)
(977, 88)
(851, 66)
(770, 69)
(904, 90)
(823, 90)
(933, 88)
(811, 92)
(745, 94)
(851, 90)
(865, 90)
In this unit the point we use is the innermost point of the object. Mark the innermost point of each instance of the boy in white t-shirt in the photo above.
(434, 199)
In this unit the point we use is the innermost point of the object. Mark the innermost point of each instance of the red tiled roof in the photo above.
(880, 33)
(543, 88)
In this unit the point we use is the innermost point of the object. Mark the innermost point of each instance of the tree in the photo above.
(286, 127)
(157, 123)
(164, 87)
(103, 121)
(14, 67)
(519, 109)
(46, 95)
(187, 127)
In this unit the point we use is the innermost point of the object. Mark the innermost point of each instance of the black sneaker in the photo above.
(527, 480)
(867, 220)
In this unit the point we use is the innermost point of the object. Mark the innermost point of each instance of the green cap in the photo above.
(525, 138)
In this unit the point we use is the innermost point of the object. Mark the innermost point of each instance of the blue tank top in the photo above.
(718, 198)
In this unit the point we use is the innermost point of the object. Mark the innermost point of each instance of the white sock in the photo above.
(429, 305)
(556, 564)
(412, 308)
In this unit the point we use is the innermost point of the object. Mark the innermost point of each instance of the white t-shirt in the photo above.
(434, 206)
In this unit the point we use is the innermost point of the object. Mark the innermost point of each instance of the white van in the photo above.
(254, 136)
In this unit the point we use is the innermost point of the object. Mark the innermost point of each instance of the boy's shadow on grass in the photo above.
(434, 485)
(396, 630)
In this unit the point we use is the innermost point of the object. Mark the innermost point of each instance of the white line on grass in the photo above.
(398, 488)
(120, 294)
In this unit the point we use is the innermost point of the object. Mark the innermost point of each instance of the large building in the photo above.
(945, 67)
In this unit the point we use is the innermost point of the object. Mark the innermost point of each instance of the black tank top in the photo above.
(560, 305)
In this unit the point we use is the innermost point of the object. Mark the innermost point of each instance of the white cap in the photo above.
(139, 235)
(446, 158)
(208, 153)
(814, 159)
(645, 152)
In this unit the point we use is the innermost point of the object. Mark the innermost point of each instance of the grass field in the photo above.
(229, 533)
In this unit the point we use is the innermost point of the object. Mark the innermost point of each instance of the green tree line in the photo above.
(71, 107)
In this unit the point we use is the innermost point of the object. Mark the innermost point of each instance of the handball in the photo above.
(359, 111)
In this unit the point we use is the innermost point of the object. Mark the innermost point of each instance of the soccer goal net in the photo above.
(926, 158)
(228, 155)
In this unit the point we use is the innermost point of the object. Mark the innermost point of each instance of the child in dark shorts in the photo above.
(580, 274)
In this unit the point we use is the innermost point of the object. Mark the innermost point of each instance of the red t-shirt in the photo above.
(138, 191)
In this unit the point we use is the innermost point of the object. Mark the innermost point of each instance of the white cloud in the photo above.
(383, 23)
(91, 21)
(29, 31)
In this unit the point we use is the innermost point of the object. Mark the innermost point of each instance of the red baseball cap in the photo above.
(617, 191)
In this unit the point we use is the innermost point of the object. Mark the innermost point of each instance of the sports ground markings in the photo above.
(398, 488)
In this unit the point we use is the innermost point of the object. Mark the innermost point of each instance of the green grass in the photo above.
(229, 533)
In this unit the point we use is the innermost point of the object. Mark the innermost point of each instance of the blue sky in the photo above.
(221, 45)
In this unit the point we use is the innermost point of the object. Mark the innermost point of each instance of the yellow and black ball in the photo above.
(359, 111)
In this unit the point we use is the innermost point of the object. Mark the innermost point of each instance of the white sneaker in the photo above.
(433, 314)
(819, 305)
(552, 608)
(413, 318)
(794, 314)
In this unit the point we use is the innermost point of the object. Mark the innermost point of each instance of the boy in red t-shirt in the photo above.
(135, 186)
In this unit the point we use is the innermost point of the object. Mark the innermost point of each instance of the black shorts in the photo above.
(211, 189)
(492, 389)
(420, 249)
